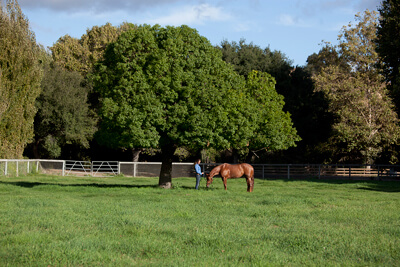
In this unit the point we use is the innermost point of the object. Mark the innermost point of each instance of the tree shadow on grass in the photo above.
(33, 184)
(379, 186)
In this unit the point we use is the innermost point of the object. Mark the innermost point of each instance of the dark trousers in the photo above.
(198, 178)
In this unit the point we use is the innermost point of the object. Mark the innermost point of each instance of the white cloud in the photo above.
(96, 6)
(286, 20)
(289, 20)
(192, 15)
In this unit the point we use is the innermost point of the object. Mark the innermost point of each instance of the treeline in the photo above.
(136, 92)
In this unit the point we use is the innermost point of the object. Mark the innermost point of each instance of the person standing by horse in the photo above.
(198, 173)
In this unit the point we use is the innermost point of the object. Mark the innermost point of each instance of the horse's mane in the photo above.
(216, 170)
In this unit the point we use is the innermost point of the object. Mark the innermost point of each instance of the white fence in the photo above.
(15, 167)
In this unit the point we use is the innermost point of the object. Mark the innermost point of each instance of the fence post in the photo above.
(319, 171)
(349, 172)
(63, 168)
(379, 174)
(5, 168)
(17, 167)
(288, 171)
(263, 170)
(134, 169)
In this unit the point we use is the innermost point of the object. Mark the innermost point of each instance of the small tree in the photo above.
(273, 129)
(63, 116)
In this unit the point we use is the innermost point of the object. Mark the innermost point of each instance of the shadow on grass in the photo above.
(379, 186)
(381, 189)
(33, 184)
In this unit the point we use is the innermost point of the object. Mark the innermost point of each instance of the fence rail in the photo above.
(14, 167)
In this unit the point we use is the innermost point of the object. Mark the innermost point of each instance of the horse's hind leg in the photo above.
(250, 184)
(248, 180)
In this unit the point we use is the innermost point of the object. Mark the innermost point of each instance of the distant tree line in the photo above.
(139, 92)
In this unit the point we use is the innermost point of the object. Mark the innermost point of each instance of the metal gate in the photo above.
(105, 168)
(77, 168)
(94, 168)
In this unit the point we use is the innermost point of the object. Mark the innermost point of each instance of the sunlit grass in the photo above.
(119, 221)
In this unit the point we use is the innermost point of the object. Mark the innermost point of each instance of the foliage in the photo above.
(123, 221)
(80, 55)
(20, 76)
(388, 46)
(248, 57)
(327, 56)
(169, 87)
(63, 115)
(366, 122)
(311, 117)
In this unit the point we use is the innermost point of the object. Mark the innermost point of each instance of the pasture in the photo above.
(124, 221)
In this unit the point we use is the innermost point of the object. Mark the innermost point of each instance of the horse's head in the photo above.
(209, 179)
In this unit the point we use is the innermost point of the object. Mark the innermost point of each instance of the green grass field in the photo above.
(122, 221)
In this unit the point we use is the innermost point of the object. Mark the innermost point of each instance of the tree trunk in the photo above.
(135, 154)
(35, 149)
(235, 155)
(165, 179)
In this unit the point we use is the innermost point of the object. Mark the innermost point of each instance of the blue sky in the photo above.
(294, 27)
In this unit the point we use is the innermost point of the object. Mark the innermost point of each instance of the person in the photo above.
(198, 173)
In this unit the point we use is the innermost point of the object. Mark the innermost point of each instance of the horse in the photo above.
(227, 171)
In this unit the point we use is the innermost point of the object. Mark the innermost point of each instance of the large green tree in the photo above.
(388, 46)
(20, 76)
(169, 87)
(366, 122)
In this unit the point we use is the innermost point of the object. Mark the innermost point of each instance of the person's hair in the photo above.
(197, 161)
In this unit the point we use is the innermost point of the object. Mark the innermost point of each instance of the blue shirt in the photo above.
(197, 168)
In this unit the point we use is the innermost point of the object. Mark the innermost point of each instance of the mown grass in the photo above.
(121, 221)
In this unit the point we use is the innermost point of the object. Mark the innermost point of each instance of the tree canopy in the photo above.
(169, 87)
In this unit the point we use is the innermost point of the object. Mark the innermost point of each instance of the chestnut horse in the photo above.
(227, 171)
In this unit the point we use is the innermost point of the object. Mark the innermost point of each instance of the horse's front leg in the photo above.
(224, 181)
(251, 184)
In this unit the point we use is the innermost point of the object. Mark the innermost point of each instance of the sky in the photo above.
(295, 27)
